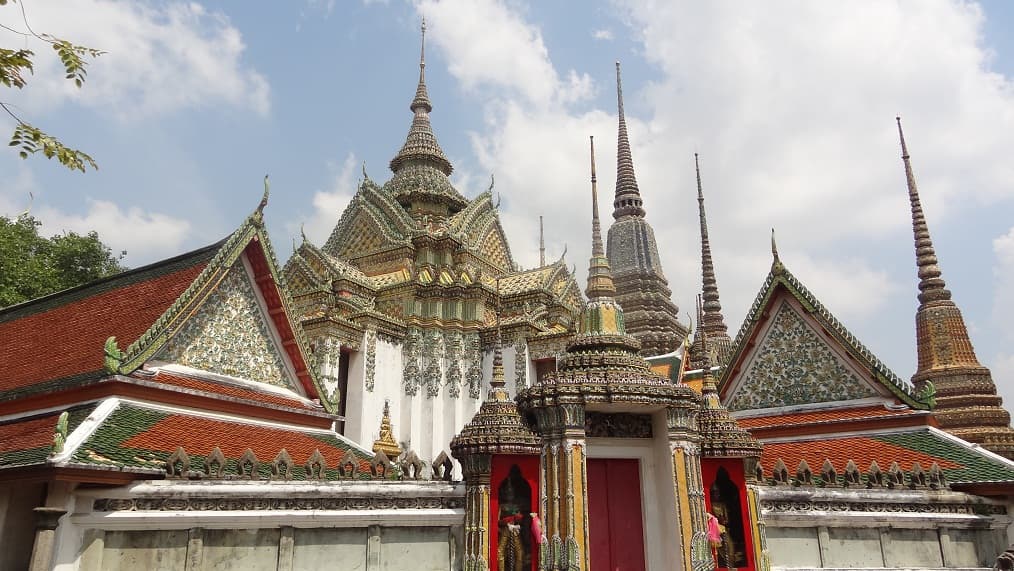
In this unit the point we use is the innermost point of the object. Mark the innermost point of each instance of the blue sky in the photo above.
(791, 105)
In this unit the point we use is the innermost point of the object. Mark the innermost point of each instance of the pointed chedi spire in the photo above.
(628, 198)
(931, 282)
(711, 321)
(420, 167)
(641, 287)
(600, 279)
(385, 442)
(948, 370)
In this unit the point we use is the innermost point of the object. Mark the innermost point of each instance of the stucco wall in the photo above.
(910, 529)
(373, 548)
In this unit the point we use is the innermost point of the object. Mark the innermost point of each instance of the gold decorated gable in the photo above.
(372, 221)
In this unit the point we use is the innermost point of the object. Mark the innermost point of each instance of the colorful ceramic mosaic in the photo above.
(229, 335)
(795, 366)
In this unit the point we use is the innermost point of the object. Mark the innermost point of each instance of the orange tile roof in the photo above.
(228, 390)
(63, 335)
(33, 433)
(200, 435)
(863, 450)
(823, 416)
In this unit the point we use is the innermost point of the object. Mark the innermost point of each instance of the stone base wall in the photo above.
(880, 529)
(264, 526)
(376, 547)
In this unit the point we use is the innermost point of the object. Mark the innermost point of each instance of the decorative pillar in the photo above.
(476, 470)
(565, 490)
(684, 441)
(46, 521)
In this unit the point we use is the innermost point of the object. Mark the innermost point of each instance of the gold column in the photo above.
(684, 441)
(477, 472)
(564, 495)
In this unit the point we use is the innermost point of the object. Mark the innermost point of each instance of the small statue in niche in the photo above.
(514, 522)
(730, 553)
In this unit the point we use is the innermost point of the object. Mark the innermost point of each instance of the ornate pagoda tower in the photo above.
(966, 401)
(620, 454)
(711, 321)
(642, 290)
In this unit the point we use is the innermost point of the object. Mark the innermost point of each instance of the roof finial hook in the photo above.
(302, 232)
(267, 192)
(365, 176)
(774, 249)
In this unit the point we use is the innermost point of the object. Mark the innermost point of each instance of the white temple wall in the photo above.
(889, 529)
(364, 406)
(257, 525)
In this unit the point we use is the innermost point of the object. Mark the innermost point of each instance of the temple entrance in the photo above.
(615, 529)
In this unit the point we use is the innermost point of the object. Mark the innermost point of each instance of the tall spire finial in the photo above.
(600, 279)
(712, 318)
(542, 244)
(421, 145)
(931, 284)
(628, 198)
(422, 98)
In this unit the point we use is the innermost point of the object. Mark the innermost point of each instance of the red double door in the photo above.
(614, 513)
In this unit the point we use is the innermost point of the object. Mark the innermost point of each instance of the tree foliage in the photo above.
(32, 265)
(15, 65)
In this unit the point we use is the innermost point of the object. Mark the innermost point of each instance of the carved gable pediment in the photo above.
(794, 362)
(230, 333)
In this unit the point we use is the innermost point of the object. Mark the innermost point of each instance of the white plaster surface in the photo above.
(794, 546)
(851, 547)
(912, 548)
(164, 550)
(246, 549)
(324, 548)
(415, 548)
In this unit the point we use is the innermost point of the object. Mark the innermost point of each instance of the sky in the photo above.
(790, 104)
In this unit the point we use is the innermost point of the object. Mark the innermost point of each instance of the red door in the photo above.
(614, 513)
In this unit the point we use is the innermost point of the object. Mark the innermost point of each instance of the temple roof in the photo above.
(114, 326)
(420, 167)
(137, 438)
(832, 338)
(961, 462)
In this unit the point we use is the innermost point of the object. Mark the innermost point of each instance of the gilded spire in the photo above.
(386, 442)
(421, 144)
(600, 279)
(711, 320)
(931, 284)
(628, 198)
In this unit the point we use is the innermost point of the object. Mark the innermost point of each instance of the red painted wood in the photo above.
(734, 467)
(529, 466)
(614, 511)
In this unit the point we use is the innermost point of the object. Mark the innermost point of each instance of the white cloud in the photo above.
(329, 204)
(1003, 312)
(145, 236)
(604, 34)
(490, 45)
(795, 125)
(159, 58)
